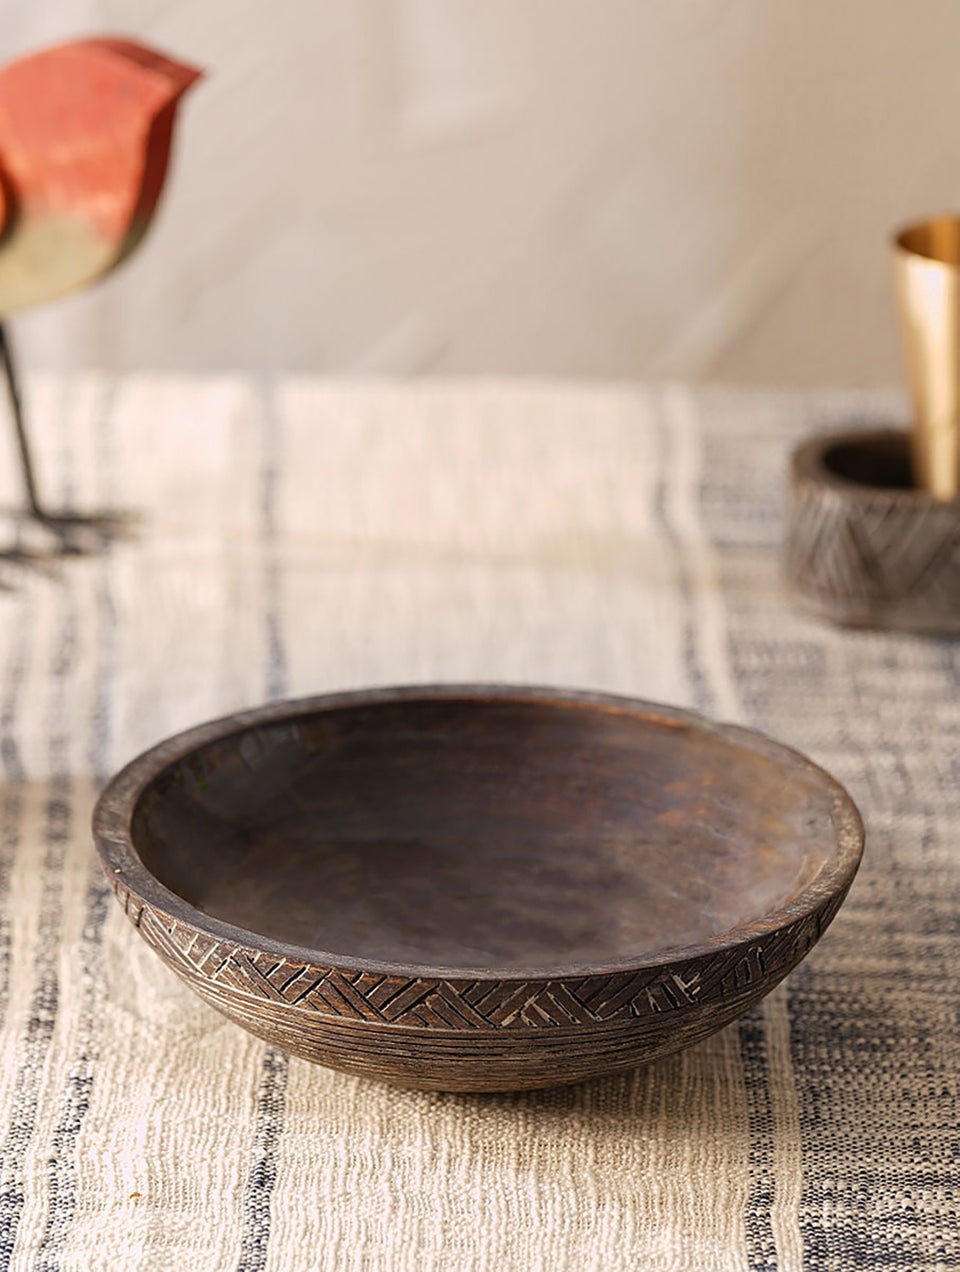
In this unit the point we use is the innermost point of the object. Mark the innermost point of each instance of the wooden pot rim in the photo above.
(809, 466)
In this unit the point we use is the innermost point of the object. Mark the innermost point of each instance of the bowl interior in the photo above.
(484, 833)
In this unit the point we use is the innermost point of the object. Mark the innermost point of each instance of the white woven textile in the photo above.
(301, 536)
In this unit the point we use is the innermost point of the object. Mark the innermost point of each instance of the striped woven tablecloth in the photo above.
(299, 536)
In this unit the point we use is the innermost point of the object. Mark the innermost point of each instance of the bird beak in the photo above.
(172, 78)
(180, 76)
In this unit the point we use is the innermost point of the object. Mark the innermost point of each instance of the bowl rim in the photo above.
(116, 805)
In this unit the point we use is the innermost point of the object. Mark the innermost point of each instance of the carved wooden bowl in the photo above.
(477, 888)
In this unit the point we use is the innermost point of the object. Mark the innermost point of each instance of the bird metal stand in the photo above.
(16, 410)
(85, 135)
(75, 533)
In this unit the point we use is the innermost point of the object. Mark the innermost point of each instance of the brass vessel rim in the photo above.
(934, 238)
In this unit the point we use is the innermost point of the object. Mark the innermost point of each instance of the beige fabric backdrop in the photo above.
(695, 188)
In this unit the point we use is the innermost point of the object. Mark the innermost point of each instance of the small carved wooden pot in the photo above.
(864, 546)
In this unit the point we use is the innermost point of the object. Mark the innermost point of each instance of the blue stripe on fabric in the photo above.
(75, 1101)
(758, 1224)
(45, 998)
(271, 1093)
(271, 1101)
(275, 672)
(703, 695)
(14, 776)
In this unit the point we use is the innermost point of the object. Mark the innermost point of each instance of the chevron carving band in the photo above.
(863, 546)
(230, 973)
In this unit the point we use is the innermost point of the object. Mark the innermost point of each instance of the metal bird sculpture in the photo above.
(85, 135)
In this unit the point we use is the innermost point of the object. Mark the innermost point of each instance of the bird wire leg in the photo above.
(76, 533)
(16, 409)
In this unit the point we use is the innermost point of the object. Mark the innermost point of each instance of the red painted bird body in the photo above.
(85, 134)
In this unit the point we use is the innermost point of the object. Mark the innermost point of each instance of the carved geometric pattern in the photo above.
(877, 550)
(234, 972)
